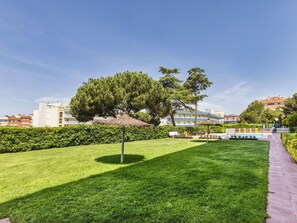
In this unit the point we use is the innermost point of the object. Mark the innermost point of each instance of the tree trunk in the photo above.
(123, 145)
(172, 119)
(196, 113)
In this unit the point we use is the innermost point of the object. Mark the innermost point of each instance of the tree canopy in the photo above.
(127, 92)
(146, 117)
(196, 82)
(256, 113)
(290, 105)
(179, 96)
(271, 116)
(135, 92)
(253, 113)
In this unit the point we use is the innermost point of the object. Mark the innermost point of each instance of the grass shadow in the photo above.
(115, 159)
(205, 140)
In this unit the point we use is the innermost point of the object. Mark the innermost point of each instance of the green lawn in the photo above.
(178, 181)
(28, 172)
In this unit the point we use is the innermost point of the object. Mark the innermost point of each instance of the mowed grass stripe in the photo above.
(28, 172)
(222, 181)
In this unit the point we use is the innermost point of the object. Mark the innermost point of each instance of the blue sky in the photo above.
(48, 48)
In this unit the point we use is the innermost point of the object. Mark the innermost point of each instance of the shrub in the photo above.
(25, 139)
(15, 139)
(291, 122)
(290, 142)
(242, 125)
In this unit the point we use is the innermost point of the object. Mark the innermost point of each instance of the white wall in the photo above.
(47, 115)
(35, 118)
(3, 121)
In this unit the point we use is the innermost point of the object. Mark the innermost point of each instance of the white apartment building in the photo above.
(53, 115)
(4, 121)
(187, 118)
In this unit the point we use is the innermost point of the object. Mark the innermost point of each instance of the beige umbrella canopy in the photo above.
(125, 120)
(208, 123)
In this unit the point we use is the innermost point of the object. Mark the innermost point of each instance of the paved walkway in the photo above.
(282, 196)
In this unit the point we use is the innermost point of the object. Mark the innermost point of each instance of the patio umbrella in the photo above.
(208, 122)
(124, 121)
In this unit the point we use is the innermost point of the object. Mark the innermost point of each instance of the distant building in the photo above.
(16, 120)
(3, 121)
(232, 118)
(53, 115)
(219, 113)
(187, 118)
(273, 102)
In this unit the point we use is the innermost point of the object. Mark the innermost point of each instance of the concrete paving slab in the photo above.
(282, 196)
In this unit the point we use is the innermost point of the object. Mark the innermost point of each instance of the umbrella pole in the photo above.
(123, 141)
(207, 132)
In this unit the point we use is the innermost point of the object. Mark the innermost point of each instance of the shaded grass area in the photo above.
(28, 172)
(222, 181)
(115, 159)
(204, 140)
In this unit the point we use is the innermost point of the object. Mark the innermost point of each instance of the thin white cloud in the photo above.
(233, 99)
(66, 72)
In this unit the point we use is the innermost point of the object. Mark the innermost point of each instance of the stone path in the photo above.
(5, 220)
(282, 196)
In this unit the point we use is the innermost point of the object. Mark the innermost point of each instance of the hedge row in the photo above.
(290, 142)
(26, 139)
(242, 125)
(14, 139)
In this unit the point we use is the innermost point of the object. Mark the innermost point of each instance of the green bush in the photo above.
(14, 139)
(26, 139)
(290, 142)
(242, 125)
(291, 122)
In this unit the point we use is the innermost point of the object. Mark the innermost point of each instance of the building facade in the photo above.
(53, 115)
(187, 118)
(273, 102)
(232, 118)
(16, 120)
(3, 121)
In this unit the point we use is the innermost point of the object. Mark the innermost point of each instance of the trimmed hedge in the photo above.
(25, 139)
(290, 142)
(242, 125)
(15, 139)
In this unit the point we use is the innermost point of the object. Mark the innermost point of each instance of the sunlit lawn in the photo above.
(178, 181)
(26, 172)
